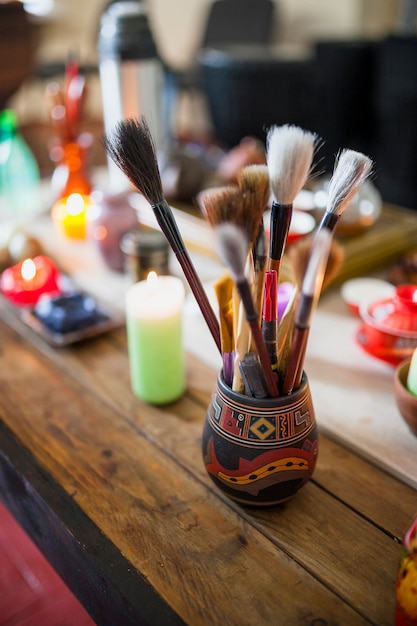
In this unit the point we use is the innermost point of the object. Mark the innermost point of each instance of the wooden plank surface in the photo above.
(136, 472)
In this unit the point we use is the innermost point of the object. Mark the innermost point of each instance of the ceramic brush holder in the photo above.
(260, 451)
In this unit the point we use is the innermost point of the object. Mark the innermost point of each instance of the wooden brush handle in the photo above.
(298, 347)
(252, 317)
(242, 347)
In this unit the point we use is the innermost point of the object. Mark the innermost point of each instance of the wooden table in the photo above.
(115, 494)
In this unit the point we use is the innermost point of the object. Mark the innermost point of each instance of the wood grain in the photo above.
(132, 477)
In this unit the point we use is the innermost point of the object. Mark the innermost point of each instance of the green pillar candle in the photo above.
(154, 333)
(412, 374)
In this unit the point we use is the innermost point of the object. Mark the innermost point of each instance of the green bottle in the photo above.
(20, 197)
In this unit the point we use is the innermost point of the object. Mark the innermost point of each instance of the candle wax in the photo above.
(412, 374)
(154, 333)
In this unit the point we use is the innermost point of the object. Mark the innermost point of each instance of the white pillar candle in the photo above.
(154, 333)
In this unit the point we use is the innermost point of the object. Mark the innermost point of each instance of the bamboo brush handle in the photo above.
(242, 347)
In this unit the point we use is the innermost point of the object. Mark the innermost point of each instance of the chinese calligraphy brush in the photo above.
(232, 246)
(350, 172)
(290, 152)
(255, 179)
(244, 208)
(297, 256)
(306, 304)
(132, 148)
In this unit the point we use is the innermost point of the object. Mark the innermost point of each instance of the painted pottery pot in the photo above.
(260, 451)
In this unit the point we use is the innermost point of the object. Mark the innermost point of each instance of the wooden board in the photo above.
(136, 472)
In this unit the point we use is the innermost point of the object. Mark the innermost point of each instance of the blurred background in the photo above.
(347, 71)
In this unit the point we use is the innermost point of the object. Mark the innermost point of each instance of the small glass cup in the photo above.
(260, 452)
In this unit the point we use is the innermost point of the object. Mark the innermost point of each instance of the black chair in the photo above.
(228, 23)
(246, 22)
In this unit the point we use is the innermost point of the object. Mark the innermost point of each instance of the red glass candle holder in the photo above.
(23, 284)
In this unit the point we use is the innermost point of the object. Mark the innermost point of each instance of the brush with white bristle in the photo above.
(290, 152)
(232, 246)
(305, 307)
(350, 172)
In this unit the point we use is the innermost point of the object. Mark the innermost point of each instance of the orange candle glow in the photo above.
(70, 214)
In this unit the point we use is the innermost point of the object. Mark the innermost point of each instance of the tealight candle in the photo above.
(23, 284)
(412, 374)
(154, 333)
(70, 214)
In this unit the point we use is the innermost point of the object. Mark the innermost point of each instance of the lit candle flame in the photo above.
(28, 269)
(152, 282)
(75, 204)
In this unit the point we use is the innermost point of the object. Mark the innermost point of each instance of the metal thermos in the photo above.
(131, 74)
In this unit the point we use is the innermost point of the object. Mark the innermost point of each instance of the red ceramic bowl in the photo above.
(358, 292)
(302, 223)
(389, 330)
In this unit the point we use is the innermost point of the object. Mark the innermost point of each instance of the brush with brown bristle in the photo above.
(305, 306)
(255, 179)
(297, 257)
(132, 148)
(244, 209)
(232, 246)
(290, 152)
(298, 254)
(230, 203)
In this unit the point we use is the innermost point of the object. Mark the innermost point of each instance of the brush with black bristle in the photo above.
(290, 152)
(132, 148)
(351, 170)
(232, 247)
